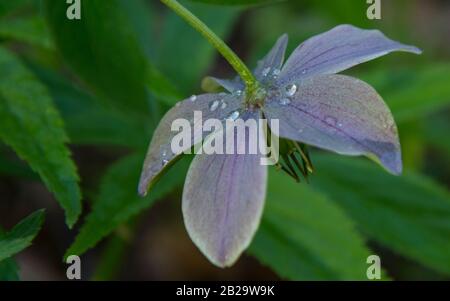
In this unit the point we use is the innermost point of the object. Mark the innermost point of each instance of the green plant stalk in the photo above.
(246, 75)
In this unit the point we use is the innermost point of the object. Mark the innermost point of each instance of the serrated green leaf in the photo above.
(305, 236)
(9, 271)
(409, 214)
(118, 200)
(31, 30)
(21, 235)
(184, 55)
(103, 49)
(33, 128)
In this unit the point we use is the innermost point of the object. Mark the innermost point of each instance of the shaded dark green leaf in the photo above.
(33, 128)
(305, 236)
(409, 214)
(118, 200)
(88, 120)
(102, 48)
(413, 93)
(21, 236)
(31, 30)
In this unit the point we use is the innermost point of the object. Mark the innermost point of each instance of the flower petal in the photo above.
(336, 50)
(273, 60)
(341, 114)
(223, 200)
(160, 154)
(231, 85)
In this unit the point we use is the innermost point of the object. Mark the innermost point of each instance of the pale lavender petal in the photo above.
(338, 113)
(273, 60)
(231, 85)
(336, 50)
(223, 199)
(160, 154)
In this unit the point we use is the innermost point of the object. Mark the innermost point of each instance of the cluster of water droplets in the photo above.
(272, 73)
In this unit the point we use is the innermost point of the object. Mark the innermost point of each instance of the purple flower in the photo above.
(224, 194)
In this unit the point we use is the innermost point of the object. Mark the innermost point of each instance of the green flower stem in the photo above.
(246, 75)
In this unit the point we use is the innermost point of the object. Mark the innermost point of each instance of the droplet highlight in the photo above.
(285, 101)
(193, 98)
(214, 105)
(233, 116)
(291, 90)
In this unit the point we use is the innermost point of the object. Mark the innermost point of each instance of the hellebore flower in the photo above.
(224, 194)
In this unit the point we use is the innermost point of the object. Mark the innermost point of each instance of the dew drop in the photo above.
(223, 105)
(164, 162)
(275, 73)
(291, 90)
(238, 92)
(214, 105)
(304, 71)
(233, 116)
(285, 101)
(330, 120)
(266, 71)
(193, 98)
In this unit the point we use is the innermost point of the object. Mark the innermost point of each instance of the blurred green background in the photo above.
(79, 101)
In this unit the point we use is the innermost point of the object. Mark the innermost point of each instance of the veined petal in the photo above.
(273, 60)
(160, 154)
(223, 199)
(338, 113)
(336, 50)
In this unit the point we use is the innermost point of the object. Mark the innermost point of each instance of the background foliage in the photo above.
(80, 100)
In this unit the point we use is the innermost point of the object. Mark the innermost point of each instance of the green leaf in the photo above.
(118, 200)
(31, 30)
(238, 2)
(305, 236)
(88, 120)
(413, 94)
(30, 124)
(409, 214)
(103, 49)
(184, 55)
(8, 6)
(21, 235)
(9, 271)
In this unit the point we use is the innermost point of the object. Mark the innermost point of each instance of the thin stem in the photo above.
(225, 51)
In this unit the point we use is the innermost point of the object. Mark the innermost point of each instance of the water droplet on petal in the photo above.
(233, 116)
(304, 71)
(330, 120)
(193, 98)
(223, 105)
(285, 101)
(266, 71)
(164, 162)
(275, 73)
(291, 90)
(214, 105)
(238, 92)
